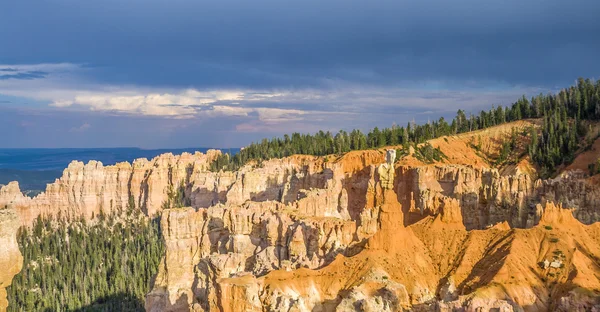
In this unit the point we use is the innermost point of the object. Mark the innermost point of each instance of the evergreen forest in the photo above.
(106, 265)
(563, 115)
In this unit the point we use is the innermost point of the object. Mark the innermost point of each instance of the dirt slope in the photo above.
(481, 148)
(583, 160)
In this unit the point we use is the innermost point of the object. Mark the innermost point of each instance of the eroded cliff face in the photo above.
(349, 239)
(86, 189)
(310, 233)
(286, 215)
(436, 265)
(11, 260)
(485, 197)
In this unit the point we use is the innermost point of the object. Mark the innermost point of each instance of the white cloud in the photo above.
(65, 86)
(149, 104)
(278, 114)
(232, 110)
(184, 104)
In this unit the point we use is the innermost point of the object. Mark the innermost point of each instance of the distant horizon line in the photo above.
(122, 147)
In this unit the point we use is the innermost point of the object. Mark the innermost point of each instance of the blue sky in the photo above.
(165, 74)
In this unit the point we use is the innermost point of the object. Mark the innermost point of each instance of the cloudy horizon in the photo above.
(157, 74)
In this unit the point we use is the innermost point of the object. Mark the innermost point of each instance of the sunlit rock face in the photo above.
(86, 189)
(11, 260)
(349, 234)
(358, 231)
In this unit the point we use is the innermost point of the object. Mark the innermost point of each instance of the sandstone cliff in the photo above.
(404, 245)
(11, 260)
(87, 189)
(433, 265)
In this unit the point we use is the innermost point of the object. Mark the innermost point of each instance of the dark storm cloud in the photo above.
(301, 43)
(149, 73)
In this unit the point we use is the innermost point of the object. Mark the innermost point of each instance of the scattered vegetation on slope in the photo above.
(562, 115)
(104, 266)
(425, 152)
(176, 197)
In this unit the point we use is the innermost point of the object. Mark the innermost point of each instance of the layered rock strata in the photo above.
(340, 188)
(380, 246)
(247, 234)
(86, 189)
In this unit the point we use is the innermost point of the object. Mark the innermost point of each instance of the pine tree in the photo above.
(556, 142)
(97, 268)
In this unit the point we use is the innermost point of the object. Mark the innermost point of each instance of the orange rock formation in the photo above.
(350, 233)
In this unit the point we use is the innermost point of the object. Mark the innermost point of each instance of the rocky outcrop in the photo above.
(87, 189)
(386, 171)
(493, 269)
(572, 191)
(337, 189)
(486, 197)
(206, 245)
(11, 260)
(314, 250)
(308, 233)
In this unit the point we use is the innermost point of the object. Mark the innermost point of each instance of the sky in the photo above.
(182, 73)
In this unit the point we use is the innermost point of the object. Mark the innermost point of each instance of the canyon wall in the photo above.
(243, 254)
(337, 189)
(486, 197)
(245, 234)
(87, 189)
